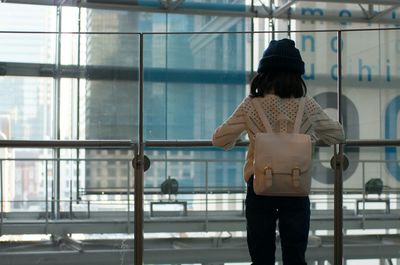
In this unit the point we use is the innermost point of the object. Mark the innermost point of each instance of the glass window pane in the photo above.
(109, 96)
(27, 48)
(17, 17)
(180, 84)
(370, 79)
(27, 112)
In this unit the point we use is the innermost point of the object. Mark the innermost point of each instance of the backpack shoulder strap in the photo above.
(299, 115)
(261, 114)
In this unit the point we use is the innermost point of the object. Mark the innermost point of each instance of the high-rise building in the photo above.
(111, 95)
(191, 83)
(27, 112)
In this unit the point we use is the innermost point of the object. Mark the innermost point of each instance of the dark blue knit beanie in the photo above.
(281, 56)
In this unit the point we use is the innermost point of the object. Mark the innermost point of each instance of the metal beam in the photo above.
(364, 11)
(110, 3)
(176, 75)
(283, 9)
(379, 15)
(232, 10)
(370, 2)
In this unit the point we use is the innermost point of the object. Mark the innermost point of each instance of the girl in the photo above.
(278, 86)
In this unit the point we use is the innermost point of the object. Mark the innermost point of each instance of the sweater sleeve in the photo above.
(326, 129)
(229, 131)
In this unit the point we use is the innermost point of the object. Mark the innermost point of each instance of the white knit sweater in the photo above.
(281, 113)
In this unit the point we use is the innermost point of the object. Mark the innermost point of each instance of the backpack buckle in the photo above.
(268, 176)
(296, 171)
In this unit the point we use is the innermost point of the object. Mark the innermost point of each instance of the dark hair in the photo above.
(282, 84)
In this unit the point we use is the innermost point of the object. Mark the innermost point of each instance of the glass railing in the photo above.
(79, 200)
(370, 208)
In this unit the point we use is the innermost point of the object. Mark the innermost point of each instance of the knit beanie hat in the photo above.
(281, 55)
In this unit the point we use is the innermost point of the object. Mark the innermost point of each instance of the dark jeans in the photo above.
(262, 213)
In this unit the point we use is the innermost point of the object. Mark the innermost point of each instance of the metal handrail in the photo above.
(372, 142)
(208, 143)
(161, 143)
(68, 143)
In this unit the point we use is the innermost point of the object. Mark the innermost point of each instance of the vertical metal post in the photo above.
(252, 43)
(46, 194)
(363, 194)
(53, 200)
(138, 163)
(2, 199)
(206, 223)
(129, 201)
(70, 199)
(338, 189)
(88, 208)
(271, 19)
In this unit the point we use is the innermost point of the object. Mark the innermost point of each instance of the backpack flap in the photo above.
(282, 164)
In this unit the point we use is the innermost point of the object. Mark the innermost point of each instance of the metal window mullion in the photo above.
(246, 11)
(283, 9)
(250, 76)
(57, 77)
(78, 93)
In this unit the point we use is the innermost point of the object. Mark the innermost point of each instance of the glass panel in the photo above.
(27, 48)
(180, 83)
(370, 76)
(123, 21)
(370, 89)
(134, 21)
(24, 180)
(107, 106)
(70, 120)
(108, 98)
(192, 83)
(320, 77)
(26, 109)
(81, 98)
(210, 183)
(16, 17)
(107, 171)
(340, 16)
(371, 204)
